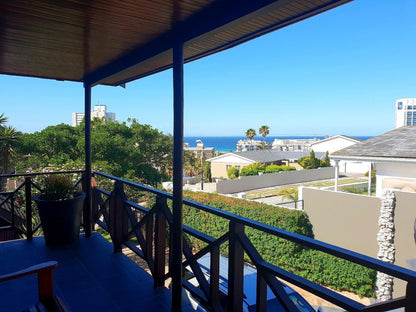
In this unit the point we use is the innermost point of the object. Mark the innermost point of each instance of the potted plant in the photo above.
(60, 207)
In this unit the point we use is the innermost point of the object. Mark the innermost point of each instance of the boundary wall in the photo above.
(274, 179)
(351, 221)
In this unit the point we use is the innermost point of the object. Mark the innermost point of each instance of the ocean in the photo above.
(228, 143)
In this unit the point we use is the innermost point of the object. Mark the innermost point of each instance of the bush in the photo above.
(373, 175)
(273, 169)
(313, 265)
(232, 173)
(253, 169)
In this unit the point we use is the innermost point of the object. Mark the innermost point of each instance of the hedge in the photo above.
(314, 265)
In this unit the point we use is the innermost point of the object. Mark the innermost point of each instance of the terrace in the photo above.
(86, 43)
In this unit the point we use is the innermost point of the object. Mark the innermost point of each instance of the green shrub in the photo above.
(273, 169)
(253, 169)
(232, 173)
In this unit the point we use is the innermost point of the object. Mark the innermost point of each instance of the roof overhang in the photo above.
(374, 159)
(113, 42)
(228, 155)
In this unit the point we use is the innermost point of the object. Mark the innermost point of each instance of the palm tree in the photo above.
(3, 119)
(250, 134)
(264, 145)
(290, 194)
(264, 131)
(9, 139)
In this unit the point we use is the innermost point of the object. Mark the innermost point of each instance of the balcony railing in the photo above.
(120, 208)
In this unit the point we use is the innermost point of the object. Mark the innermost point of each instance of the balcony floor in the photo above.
(89, 277)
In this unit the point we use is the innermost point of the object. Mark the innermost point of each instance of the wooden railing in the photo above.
(16, 207)
(145, 231)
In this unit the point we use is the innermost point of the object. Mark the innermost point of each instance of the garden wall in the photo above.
(274, 179)
(351, 221)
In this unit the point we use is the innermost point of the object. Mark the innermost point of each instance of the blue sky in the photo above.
(337, 73)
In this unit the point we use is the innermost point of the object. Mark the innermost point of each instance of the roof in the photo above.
(268, 156)
(399, 144)
(340, 136)
(113, 42)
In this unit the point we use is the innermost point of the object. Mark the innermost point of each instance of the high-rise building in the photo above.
(99, 111)
(405, 112)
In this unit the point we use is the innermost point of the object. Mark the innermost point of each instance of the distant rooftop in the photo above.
(397, 143)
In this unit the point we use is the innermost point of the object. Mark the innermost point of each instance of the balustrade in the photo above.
(146, 231)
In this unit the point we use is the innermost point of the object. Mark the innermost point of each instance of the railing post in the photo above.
(87, 209)
(28, 194)
(261, 294)
(118, 218)
(160, 242)
(94, 203)
(214, 298)
(410, 296)
(236, 269)
(12, 209)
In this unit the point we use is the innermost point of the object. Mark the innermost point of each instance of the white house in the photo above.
(392, 154)
(336, 143)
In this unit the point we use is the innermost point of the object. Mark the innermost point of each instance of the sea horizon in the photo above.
(228, 143)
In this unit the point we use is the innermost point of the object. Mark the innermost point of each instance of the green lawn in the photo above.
(275, 191)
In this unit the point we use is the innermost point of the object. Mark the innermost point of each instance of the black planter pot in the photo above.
(60, 219)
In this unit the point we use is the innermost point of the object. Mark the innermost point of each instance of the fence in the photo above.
(274, 179)
(118, 207)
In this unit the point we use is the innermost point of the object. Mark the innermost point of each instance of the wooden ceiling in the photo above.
(116, 41)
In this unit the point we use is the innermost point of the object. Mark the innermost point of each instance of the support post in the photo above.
(176, 231)
(336, 175)
(118, 217)
(235, 269)
(87, 119)
(28, 193)
(160, 243)
(370, 168)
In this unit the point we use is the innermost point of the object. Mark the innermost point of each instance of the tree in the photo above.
(9, 140)
(132, 151)
(264, 131)
(207, 169)
(310, 162)
(250, 134)
(326, 162)
(264, 145)
(232, 173)
(3, 119)
(291, 194)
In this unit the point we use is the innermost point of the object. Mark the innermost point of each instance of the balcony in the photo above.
(94, 275)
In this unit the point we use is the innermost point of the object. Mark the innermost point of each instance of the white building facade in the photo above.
(406, 112)
(100, 111)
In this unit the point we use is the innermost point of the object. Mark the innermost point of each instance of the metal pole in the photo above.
(87, 120)
(178, 108)
(336, 175)
(202, 170)
(370, 168)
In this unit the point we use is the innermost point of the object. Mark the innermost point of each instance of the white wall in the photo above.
(396, 171)
(332, 145)
(352, 166)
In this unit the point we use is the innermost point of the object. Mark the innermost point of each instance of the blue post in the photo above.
(176, 231)
(87, 119)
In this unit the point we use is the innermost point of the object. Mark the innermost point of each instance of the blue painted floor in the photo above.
(89, 277)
